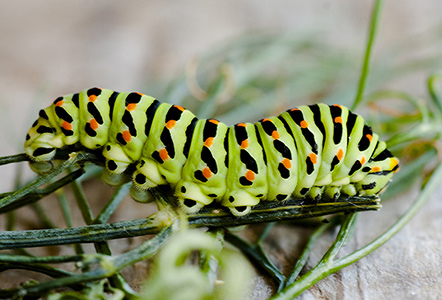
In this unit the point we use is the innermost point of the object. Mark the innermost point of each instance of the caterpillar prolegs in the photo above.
(306, 152)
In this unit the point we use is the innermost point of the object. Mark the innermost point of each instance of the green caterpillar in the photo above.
(307, 152)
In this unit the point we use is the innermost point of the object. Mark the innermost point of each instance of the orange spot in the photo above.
(266, 120)
(92, 98)
(170, 124)
(127, 136)
(313, 158)
(59, 103)
(94, 124)
(208, 142)
(304, 124)
(287, 164)
(369, 137)
(163, 154)
(340, 154)
(180, 107)
(66, 125)
(338, 120)
(250, 175)
(295, 109)
(241, 124)
(362, 161)
(141, 94)
(337, 105)
(131, 106)
(245, 144)
(375, 169)
(216, 122)
(207, 173)
(275, 134)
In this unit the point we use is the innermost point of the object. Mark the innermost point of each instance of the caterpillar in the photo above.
(309, 152)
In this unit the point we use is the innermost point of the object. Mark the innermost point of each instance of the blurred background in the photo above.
(50, 48)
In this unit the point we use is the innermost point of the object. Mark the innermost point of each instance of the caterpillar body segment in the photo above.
(313, 152)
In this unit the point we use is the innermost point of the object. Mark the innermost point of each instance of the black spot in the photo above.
(364, 143)
(383, 155)
(111, 165)
(395, 168)
(209, 130)
(366, 169)
(231, 199)
(93, 110)
(244, 181)
(356, 166)
(35, 123)
(44, 129)
(310, 165)
(63, 114)
(334, 162)
(240, 208)
(129, 121)
(240, 134)
(209, 160)
(120, 139)
(213, 195)
(43, 114)
(183, 189)
(336, 111)
(140, 178)
(166, 138)
(304, 191)
(248, 160)
(189, 202)
(259, 195)
(268, 127)
(282, 148)
(157, 157)
(281, 197)
(41, 151)
(58, 100)
(93, 92)
(283, 171)
(369, 186)
(133, 98)
(67, 132)
(108, 147)
(76, 100)
(174, 113)
(28, 136)
(199, 175)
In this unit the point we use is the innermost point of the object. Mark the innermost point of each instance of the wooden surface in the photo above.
(50, 48)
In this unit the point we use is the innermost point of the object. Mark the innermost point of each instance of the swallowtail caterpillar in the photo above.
(312, 152)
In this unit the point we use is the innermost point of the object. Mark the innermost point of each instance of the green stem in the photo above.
(324, 270)
(266, 212)
(108, 267)
(366, 65)
(306, 253)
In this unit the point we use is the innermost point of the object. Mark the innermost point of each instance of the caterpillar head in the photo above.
(190, 196)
